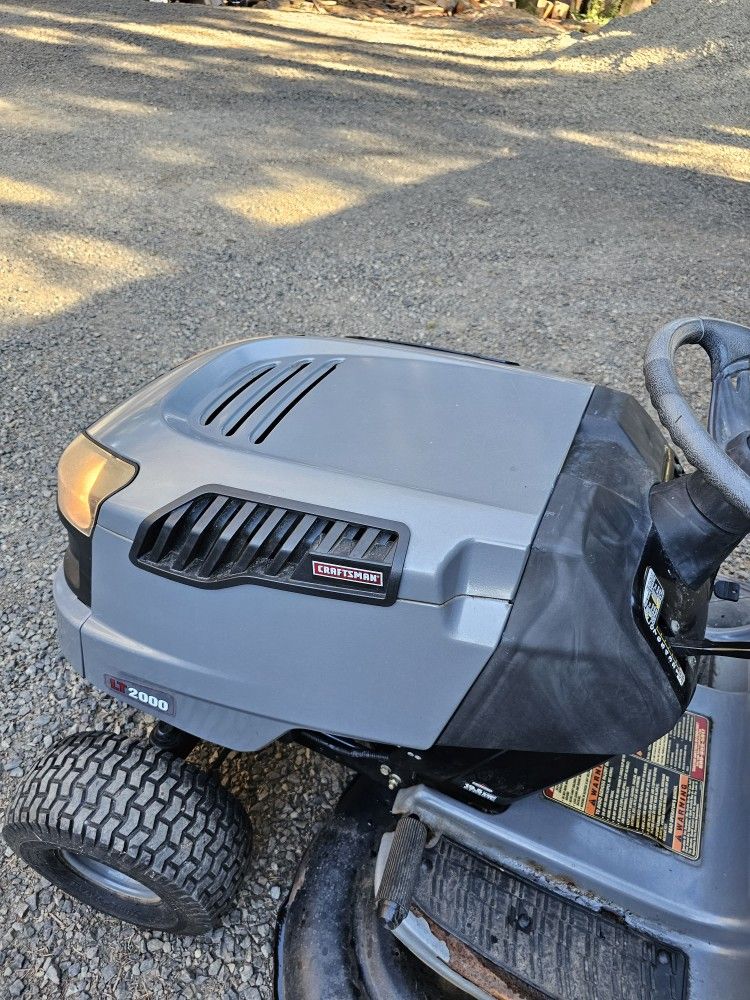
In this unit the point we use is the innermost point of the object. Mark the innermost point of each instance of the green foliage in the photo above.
(600, 11)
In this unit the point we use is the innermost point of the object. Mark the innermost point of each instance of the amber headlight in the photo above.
(86, 475)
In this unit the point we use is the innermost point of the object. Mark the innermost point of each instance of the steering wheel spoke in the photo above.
(729, 413)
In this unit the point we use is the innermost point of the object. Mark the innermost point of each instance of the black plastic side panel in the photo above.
(486, 780)
(573, 670)
(77, 563)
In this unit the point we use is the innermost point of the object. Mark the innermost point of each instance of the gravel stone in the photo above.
(175, 177)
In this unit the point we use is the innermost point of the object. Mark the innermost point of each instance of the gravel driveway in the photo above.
(173, 177)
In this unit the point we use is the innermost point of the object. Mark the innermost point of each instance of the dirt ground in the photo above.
(173, 177)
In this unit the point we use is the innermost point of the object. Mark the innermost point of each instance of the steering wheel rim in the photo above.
(725, 344)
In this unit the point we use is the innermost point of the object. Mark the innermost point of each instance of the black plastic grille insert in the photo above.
(217, 537)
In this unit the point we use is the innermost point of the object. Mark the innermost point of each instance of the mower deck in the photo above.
(537, 902)
(680, 927)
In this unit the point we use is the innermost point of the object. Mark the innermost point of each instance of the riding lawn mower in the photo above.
(493, 594)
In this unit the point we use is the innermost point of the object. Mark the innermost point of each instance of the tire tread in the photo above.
(122, 795)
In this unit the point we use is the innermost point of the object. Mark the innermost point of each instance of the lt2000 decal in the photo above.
(146, 697)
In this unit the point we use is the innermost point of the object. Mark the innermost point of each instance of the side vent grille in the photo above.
(256, 403)
(219, 538)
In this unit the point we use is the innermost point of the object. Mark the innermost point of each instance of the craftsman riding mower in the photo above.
(492, 593)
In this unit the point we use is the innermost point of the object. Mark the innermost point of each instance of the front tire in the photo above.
(132, 831)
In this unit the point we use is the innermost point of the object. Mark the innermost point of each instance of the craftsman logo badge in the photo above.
(347, 574)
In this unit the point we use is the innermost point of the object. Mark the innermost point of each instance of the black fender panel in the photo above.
(575, 671)
(329, 942)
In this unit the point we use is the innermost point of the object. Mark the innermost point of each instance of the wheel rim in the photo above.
(103, 876)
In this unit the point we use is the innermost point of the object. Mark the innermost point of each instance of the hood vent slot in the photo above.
(218, 538)
(251, 408)
(248, 379)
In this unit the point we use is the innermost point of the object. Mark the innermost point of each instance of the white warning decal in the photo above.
(653, 595)
(659, 792)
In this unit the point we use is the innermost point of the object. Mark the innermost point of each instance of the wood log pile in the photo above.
(555, 10)
(504, 13)
(512, 17)
(404, 8)
(557, 15)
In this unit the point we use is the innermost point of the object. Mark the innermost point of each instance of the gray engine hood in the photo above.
(464, 451)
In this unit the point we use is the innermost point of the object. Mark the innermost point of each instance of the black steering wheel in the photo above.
(728, 348)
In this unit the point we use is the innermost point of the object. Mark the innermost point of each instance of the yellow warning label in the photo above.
(658, 793)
